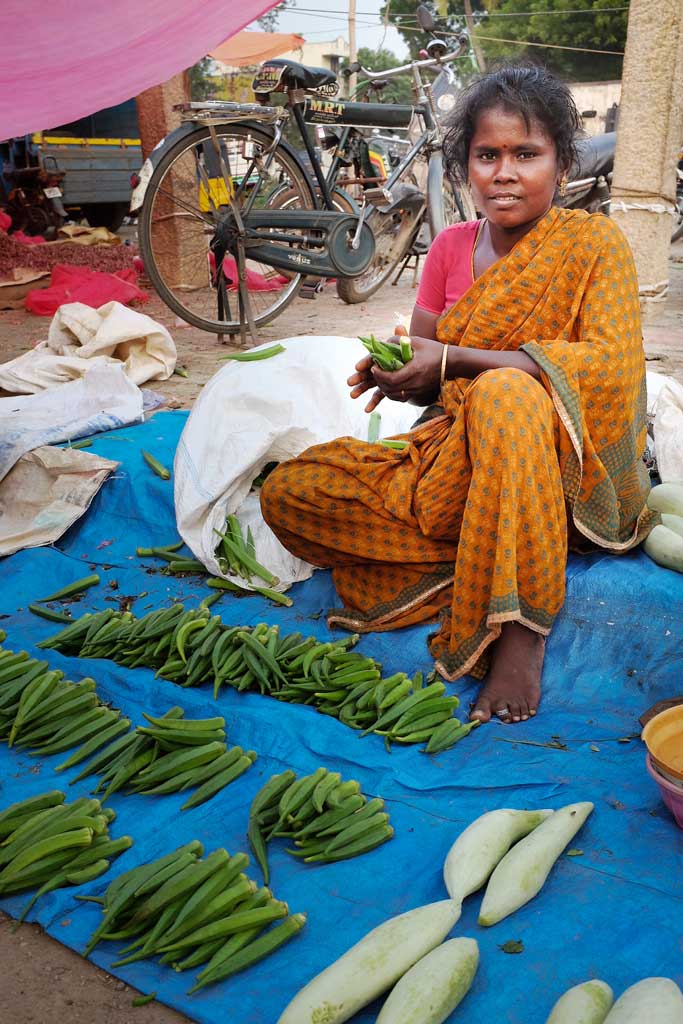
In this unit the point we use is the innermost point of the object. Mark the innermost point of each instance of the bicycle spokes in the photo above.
(188, 231)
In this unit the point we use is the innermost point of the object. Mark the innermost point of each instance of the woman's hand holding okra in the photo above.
(416, 382)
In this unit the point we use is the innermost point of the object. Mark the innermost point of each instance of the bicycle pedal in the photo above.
(310, 289)
(379, 197)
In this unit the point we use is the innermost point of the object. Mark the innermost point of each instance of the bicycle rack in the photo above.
(215, 112)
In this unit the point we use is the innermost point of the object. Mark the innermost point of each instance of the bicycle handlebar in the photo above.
(432, 62)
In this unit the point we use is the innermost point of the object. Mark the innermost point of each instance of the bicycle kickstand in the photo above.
(246, 315)
(244, 303)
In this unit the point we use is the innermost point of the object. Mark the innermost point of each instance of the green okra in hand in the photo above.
(388, 355)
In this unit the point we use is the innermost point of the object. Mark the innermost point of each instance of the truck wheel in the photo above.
(105, 215)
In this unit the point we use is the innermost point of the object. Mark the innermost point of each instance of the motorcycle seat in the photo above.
(596, 156)
(300, 76)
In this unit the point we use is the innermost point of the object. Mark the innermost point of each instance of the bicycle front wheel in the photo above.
(188, 195)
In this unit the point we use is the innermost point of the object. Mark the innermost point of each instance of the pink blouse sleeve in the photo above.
(431, 295)
(447, 272)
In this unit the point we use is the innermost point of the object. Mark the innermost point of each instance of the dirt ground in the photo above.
(43, 982)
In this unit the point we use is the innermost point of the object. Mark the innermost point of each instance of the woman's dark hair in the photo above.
(525, 89)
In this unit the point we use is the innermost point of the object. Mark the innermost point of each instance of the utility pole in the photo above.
(352, 44)
(476, 45)
(649, 136)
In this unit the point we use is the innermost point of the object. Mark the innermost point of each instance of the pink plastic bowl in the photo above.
(671, 795)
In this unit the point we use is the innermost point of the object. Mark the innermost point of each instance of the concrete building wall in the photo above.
(331, 53)
(597, 96)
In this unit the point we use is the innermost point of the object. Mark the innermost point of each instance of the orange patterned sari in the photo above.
(470, 522)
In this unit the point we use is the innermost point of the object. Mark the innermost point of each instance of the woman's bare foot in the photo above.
(513, 690)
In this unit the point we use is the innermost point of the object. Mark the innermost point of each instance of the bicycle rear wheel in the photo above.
(396, 234)
(185, 201)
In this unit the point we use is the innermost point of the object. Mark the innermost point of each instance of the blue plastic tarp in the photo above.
(614, 911)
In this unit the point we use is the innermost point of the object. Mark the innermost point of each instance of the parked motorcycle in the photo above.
(678, 216)
(32, 192)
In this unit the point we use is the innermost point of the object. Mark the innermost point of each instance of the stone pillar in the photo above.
(179, 243)
(156, 116)
(649, 135)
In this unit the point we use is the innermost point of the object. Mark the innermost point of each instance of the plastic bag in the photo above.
(45, 493)
(79, 335)
(253, 413)
(668, 428)
(104, 398)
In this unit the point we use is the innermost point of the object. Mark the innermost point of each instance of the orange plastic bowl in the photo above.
(671, 795)
(663, 737)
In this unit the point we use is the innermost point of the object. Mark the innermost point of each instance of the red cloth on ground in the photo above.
(19, 236)
(255, 282)
(5, 221)
(79, 284)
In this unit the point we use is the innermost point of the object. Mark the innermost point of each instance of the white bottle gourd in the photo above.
(651, 1001)
(667, 497)
(588, 1003)
(372, 966)
(522, 872)
(478, 849)
(665, 547)
(672, 522)
(430, 991)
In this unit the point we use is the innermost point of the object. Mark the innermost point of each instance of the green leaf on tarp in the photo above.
(512, 946)
(574, 852)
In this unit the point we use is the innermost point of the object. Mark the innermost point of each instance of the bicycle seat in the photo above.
(596, 156)
(300, 76)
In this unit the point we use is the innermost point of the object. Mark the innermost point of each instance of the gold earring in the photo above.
(563, 185)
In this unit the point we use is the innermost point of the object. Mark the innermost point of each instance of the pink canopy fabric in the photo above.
(65, 59)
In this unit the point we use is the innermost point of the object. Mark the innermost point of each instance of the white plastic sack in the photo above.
(667, 409)
(250, 414)
(104, 398)
(79, 335)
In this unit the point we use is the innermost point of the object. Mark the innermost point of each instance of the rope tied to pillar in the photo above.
(622, 192)
(623, 207)
(654, 292)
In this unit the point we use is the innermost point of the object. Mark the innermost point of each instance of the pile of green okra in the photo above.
(191, 647)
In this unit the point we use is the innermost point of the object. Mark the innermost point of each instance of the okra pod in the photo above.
(47, 613)
(155, 465)
(251, 357)
(77, 587)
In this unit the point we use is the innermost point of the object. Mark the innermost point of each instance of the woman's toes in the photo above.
(515, 712)
(482, 711)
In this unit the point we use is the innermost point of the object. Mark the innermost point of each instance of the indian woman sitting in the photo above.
(527, 333)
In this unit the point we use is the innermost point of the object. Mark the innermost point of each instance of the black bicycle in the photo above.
(234, 221)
